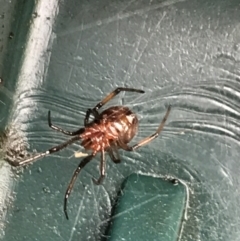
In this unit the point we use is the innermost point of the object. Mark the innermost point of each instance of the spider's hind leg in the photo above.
(46, 153)
(102, 169)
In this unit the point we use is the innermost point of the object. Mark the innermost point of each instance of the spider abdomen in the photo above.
(115, 123)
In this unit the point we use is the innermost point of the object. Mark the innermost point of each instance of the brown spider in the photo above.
(110, 130)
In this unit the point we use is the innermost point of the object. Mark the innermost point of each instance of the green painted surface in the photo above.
(148, 209)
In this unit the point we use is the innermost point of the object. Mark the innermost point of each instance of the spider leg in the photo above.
(82, 164)
(56, 128)
(48, 152)
(113, 150)
(88, 113)
(102, 169)
(147, 139)
(113, 94)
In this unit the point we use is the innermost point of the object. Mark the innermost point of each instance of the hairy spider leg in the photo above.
(48, 152)
(147, 139)
(56, 128)
(81, 165)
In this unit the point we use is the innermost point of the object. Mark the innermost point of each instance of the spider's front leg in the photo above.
(113, 94)
(94, 111)
(56, 128)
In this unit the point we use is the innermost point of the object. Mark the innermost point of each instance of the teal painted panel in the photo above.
(148, 208)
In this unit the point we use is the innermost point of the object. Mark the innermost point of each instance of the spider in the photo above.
(109, 131)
